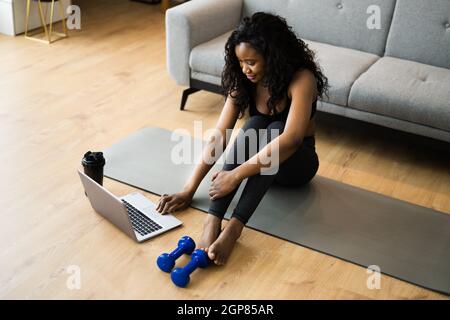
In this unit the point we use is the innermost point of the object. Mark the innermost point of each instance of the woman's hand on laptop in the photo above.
(174, 202)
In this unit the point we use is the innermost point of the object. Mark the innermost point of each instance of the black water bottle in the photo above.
(93, 163)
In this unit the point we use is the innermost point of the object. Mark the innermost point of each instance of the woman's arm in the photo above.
(303, 90)
(227, 120)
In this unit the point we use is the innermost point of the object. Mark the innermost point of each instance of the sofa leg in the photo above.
(186, 93)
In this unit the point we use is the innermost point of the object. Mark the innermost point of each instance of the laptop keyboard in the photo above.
(141, 223)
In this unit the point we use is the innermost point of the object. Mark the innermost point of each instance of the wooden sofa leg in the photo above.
(186, 93)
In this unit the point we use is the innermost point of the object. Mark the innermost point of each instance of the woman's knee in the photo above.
(255, 122)
(274, 129)
(246, 143)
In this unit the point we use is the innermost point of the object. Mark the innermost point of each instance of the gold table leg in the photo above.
(165, 4)
(43, 19)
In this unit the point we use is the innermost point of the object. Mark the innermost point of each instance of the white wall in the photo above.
(6, 17)
(13, 14)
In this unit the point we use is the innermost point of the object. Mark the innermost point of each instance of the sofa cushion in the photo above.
(341, 66)
(405, 90)
(337, 22)
(420, 31)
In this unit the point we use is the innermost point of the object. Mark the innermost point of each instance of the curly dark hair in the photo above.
(283, 52)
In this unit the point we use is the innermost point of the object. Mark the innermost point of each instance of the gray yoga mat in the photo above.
(405, 241)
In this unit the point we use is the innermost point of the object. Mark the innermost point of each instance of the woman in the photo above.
(272, 73)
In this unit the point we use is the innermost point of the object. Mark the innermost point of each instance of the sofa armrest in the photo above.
(193, 23)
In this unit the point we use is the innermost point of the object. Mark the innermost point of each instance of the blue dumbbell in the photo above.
(180, 276)
(166, 261)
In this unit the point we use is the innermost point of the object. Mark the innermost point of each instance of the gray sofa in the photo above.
(397, 76)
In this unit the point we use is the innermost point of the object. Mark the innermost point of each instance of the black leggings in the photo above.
(295, 171)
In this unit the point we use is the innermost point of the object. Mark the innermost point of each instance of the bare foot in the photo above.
(211, 230)
(221, 249)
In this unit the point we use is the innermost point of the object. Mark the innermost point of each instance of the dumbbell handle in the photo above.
(175, 254)
(192, 265)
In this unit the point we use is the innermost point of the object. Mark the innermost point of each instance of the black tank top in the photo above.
(281, 115)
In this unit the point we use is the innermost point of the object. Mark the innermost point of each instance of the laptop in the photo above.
(133, 213)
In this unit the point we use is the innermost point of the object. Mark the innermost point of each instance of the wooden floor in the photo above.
(105, 82)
